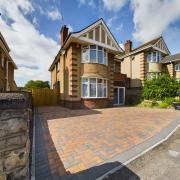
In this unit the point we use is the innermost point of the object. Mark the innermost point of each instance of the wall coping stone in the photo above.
(14, 100)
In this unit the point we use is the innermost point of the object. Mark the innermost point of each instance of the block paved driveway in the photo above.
(79, 144)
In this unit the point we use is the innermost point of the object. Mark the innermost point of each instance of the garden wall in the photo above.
(15, 120)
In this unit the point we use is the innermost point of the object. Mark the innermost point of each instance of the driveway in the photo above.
(84, 144)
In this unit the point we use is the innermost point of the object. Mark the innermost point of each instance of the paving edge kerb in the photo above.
(140, 149)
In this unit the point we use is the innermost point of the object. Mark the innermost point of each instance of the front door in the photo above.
(119, 95)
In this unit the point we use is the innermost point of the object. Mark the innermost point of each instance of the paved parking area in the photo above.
(81, 143)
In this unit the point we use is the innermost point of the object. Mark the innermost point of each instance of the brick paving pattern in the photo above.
(79, 143)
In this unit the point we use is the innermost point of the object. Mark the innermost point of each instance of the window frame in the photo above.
(150, 57)
(97, 61)
(104, 87)
(177, 67)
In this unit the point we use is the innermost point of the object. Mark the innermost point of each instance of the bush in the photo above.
(169, 101)
(163, 105)
(160, 88)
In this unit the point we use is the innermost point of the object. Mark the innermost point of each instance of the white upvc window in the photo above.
(154, 56)
(177, 67)
(94, 54)
(94, 88)
(152, 75)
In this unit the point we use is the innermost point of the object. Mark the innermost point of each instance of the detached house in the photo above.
(7, 67)
(147, 61)
(86, 70)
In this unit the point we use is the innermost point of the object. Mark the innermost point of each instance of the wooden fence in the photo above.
(45, 97)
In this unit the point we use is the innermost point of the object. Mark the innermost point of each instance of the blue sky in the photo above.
(31, 28)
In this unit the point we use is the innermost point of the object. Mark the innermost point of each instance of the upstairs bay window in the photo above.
(94, 54)
(94, 88)
(177, 67)
(154, 56)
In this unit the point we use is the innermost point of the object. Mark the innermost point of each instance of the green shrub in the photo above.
(160, 88)
(163, 105)
(169, 101)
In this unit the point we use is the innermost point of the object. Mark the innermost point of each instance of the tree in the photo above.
(160, 88)
(37, 84)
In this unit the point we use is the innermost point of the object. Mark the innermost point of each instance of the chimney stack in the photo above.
(64, 33)
(128, 46)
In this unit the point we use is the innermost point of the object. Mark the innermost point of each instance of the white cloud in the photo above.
(114, 5)
(152, 17)
(87, 2)
(111, 20)
(54, 14)
(70, 28)
(35, 21)
(28, 46)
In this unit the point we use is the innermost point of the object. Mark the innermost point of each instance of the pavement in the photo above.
(85, 143)
(162, 162)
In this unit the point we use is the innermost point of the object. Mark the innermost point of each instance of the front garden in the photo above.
(160, 92)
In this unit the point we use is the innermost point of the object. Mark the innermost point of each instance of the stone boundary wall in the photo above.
(15, 120)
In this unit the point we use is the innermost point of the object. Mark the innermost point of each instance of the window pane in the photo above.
(93, 80)
(105, 87)
(85, 90)
(100, 57)
(85, 54)
(93, 90)
(100, 90)
(99, 48)
(154, 56)
(84, 80)
(93, 56)
(100, 80)
(149, 57)
(92, 46)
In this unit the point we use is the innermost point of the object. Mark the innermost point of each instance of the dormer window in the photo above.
(94, 54)
(154, 57)
(177, 67)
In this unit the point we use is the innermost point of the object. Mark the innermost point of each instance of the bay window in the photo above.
(177, 67)
(94, 54)
(94, 88)
(154, 56)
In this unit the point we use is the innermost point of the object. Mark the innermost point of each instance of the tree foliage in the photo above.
(160, 88)
(37, 84)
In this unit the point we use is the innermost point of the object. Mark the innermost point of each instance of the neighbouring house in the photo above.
(147, 61)
(7, 66)
(86, 70)
(171, 64)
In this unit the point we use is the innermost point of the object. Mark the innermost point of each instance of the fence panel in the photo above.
(45, 97)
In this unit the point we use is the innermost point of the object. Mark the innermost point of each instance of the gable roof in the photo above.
(172, 58)
(100, 22)
(79, 34)
(150, 44)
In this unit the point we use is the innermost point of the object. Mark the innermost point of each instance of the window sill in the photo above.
(94, 98)
(93, 63)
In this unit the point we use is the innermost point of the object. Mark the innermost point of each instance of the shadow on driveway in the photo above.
(58, 112)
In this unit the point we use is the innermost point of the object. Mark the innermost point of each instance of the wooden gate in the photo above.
(45, 97)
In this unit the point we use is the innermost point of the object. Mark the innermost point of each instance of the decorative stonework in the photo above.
(142, 67)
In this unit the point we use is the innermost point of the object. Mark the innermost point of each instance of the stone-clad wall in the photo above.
(15, 118)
